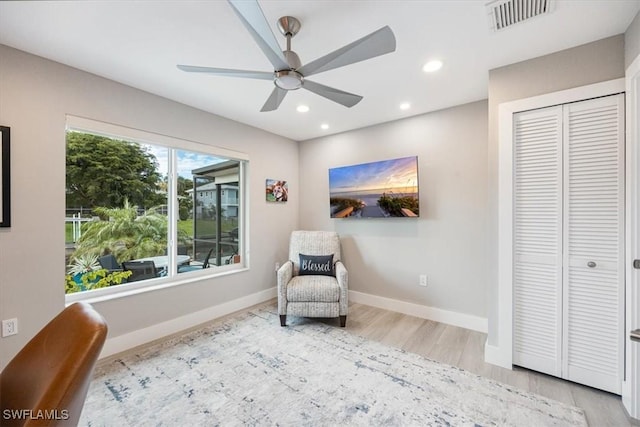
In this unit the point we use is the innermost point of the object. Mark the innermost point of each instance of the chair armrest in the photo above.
(285, 274)
(343, 280)
(342, 275)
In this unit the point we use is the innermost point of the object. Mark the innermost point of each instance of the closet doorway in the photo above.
(568, 241)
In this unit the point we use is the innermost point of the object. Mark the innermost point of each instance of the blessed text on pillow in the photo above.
(319, 265)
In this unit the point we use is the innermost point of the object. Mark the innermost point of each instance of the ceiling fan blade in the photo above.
(341, 97)
(375, 44)
(254, 21)
(262, 75)
(275, 99)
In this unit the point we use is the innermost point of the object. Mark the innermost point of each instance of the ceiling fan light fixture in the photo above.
(288, 80)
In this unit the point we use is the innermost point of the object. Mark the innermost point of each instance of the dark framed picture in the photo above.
(5, 177)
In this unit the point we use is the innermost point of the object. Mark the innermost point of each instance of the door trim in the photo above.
(631, 385)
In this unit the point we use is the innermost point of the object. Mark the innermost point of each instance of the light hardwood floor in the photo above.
(465, 349)
(457, 347)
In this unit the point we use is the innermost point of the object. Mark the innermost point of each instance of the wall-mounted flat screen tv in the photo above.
(384, 189)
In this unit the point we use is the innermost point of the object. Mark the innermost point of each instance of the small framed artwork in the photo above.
(277, 190)
(5, 177)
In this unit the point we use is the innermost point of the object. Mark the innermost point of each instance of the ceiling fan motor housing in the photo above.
(289, 79)
(292, 59)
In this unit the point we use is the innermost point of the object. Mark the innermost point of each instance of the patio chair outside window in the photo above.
(140, 270)
(197, 265)
(110, 263)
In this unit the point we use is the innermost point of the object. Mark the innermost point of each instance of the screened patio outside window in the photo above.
(148, 210)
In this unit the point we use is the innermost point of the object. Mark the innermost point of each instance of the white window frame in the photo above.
(81, 124)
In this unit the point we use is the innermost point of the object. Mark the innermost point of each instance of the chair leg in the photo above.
(283, 320)
(343, 321)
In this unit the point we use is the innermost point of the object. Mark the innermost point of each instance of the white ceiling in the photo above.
(139, 43)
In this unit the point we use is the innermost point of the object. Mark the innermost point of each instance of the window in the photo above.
(145, 209)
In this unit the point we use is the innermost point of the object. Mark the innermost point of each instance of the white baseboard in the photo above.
(142, 336)
(462, 320)
(496, 356)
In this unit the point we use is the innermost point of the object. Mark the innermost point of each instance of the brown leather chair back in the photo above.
(46, 383)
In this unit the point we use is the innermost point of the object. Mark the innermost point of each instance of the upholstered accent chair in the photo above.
(52, 373)
(310, 294)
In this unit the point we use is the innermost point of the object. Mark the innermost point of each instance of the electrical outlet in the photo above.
(423, 280)
(277, 266)
(9, 327)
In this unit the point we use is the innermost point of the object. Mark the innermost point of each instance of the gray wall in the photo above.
(587, 64)
(632, 41)
(447, 242)
(36, 94)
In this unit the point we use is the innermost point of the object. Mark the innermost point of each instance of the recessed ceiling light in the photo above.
(405, 106)
(302, 108)
(431, 66)
(324, 126)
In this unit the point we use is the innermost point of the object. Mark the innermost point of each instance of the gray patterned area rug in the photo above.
(247, 370)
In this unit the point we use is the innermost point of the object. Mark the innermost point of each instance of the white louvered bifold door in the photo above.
(594, 242)
(537, 289)
(568, 278)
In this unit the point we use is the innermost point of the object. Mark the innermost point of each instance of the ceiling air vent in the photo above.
(505, 13)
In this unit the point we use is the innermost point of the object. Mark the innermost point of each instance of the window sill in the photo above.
(116, 292)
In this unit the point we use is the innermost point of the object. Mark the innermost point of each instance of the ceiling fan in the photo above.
(289, 73)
